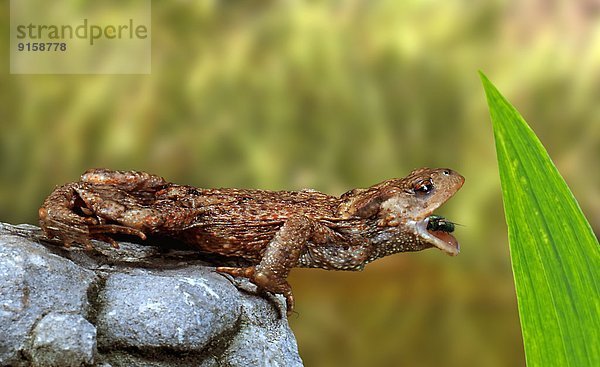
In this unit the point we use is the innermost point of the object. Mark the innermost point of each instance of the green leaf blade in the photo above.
(554, 252)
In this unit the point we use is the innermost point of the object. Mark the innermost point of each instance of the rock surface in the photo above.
(135, 306)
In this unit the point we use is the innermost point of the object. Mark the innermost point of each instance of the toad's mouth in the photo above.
(436, 230)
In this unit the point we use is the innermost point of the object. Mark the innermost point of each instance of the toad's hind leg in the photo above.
(58, 218)
(118, 212)
(280, 256)
(79, 212)
(124, 180)
(100, 232)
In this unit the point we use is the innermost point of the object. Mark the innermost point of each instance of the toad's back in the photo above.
(239, 222)
(248, 206)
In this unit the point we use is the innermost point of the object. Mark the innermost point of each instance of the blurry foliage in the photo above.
(335, 95)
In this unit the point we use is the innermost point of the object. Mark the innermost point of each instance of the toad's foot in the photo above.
(265, 281)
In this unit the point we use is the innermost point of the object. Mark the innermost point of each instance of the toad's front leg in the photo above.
(280, 256)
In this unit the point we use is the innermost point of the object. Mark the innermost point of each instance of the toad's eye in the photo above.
(423, 187)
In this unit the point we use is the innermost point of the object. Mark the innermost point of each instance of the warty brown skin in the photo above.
(274, 230)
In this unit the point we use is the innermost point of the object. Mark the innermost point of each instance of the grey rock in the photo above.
(34, 282)
(262, 340)
(148, 307)
(136, 315)
(63, 340)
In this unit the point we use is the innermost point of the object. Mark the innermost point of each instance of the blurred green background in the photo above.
(335, 95)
